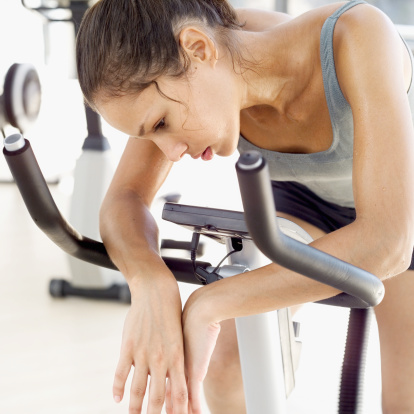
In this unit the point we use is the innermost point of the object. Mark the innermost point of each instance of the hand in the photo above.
(200, 337)
(152, 342)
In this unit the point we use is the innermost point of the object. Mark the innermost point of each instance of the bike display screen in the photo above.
(212, 222)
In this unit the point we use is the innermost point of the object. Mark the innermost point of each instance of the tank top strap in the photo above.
(345, 7)
(336, 101)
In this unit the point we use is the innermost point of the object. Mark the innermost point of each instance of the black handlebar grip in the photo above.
(44, 212)
(41, 206)
(260, 215)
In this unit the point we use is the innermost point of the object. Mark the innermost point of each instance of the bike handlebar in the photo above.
(44, 212)
(364, 288)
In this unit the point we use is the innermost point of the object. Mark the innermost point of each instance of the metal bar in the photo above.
(44, 212)
(260, 215)
(258, 339)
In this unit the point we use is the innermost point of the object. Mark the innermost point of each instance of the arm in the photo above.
(371, 74)
(127, 227)
(152, 339)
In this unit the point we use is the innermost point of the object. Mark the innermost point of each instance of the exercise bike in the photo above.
(92, 175)
(266, 341)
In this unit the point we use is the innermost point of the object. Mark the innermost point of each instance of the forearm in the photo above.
(130, 234)
(273, 287)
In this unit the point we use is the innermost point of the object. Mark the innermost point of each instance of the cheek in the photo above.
(214, 120)
(226, 119)
(228, 135)
(216, 106)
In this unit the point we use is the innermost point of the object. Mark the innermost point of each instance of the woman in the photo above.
(326, 97)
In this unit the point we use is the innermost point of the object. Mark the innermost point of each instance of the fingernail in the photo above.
(117, 398)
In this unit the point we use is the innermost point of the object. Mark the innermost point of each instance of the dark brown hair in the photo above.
(124, 45)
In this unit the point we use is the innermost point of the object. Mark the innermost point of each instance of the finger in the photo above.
(121, 374)
(179, 392)
(156, 395)
(194, 396)
(168, 401)
(138, 389)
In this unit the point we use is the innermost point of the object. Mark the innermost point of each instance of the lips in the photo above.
(207, 155)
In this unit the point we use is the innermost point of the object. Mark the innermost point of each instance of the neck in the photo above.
(276, 74)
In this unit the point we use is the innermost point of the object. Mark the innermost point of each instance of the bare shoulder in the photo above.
(367, 23)
(368, 50)
(259, 20)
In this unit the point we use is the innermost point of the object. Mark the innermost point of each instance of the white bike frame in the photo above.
(259, 336)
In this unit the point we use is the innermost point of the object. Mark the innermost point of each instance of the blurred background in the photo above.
(59, 354)
(400, 11)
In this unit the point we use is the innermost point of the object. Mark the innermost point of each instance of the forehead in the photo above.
(125, 112)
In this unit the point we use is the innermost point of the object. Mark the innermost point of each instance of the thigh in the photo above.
(396, 331)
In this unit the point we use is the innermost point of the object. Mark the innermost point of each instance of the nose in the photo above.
(174, 151)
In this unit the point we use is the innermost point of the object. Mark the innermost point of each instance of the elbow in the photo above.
(405, 251)
(397, 251)
(404, 244)
(386, 245)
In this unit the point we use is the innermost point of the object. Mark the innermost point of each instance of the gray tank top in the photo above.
(328, 173)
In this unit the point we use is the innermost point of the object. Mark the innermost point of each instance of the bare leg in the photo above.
(223, 386)
(395, 316)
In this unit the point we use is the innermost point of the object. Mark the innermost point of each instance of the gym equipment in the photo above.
(266, 367)
(21, 99)
(59, 10)
(92, 175)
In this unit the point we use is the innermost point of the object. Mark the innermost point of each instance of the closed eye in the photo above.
(160, 124)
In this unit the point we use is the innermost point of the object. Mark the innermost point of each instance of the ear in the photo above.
(199, 47)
